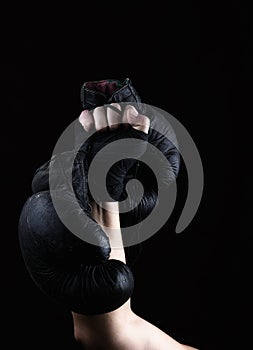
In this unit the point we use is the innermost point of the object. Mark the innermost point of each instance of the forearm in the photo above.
(108, 218)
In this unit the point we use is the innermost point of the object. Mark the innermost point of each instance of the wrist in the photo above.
(106, 214)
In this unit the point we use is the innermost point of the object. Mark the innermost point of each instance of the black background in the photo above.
(180, 59)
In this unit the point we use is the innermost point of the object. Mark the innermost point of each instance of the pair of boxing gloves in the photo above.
(74, 272)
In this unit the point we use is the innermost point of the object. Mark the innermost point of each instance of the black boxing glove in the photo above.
(98, 93)
(127, 169)
(69, 269)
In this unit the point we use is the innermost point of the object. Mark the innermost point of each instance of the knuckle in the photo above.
(116, 105)
(99, 109)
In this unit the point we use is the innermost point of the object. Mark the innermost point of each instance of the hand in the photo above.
(111, 124)
(111, 116)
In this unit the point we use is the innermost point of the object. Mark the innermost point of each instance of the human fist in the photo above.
(112, 116)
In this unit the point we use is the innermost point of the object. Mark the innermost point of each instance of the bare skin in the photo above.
(120, 329)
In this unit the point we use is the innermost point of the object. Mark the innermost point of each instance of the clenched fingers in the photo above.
(111, 116)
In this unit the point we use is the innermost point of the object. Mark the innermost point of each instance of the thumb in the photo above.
(137, 121)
